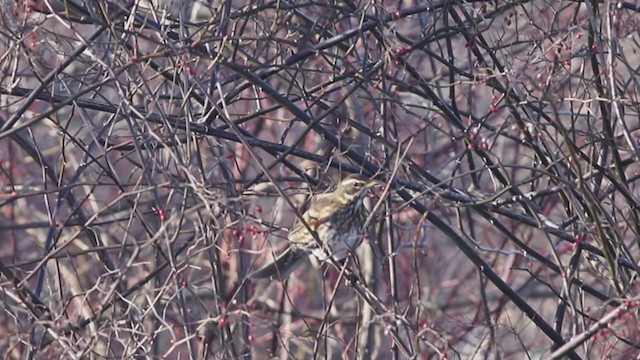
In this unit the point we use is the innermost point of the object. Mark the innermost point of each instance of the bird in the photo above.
(338, 220)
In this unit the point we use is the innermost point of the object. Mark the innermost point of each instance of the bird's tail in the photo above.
(282, 267)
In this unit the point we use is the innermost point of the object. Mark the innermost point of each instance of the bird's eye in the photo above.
(357, 185)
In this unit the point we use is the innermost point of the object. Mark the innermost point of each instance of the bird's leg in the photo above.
(351, 279)
(350, 275)
(343, 263)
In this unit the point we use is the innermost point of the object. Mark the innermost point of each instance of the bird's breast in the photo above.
(335, 247)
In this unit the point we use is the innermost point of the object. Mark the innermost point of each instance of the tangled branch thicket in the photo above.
(153, 153)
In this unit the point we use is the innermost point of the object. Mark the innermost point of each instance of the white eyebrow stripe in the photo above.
(351, 181)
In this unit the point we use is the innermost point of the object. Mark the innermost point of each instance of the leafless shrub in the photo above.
(152, 152)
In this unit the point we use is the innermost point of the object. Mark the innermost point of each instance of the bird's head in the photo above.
(354, 186)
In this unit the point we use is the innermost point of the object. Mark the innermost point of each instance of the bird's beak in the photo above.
(372, 184)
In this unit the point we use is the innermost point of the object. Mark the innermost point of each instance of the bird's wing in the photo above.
(321, 209)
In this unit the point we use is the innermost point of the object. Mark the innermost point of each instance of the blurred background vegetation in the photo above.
(145, 148)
